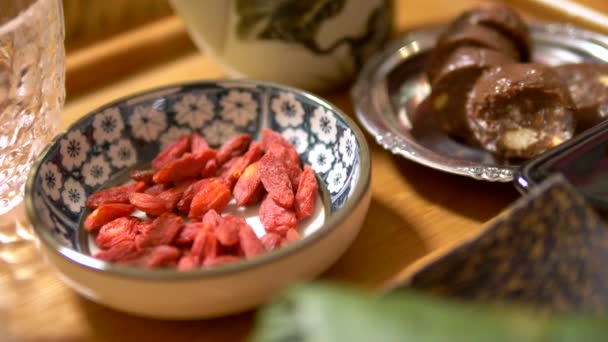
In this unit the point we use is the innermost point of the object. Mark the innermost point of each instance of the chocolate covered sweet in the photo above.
(588, 87)
(503, 19)
(520, 110)
(453, 84)
(471, 36)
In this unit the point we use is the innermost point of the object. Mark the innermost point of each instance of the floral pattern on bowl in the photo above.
(102, 146)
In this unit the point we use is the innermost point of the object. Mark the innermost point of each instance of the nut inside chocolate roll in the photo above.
(588, 87)
(520, 110)
(453, 84)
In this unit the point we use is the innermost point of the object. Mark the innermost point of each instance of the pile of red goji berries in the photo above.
(190, 179)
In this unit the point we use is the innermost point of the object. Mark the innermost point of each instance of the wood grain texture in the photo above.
(91, 20)
(415, 211)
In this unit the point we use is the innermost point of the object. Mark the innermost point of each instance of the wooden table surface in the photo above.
(415, 211)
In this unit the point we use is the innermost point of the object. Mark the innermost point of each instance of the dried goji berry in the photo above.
(274, 177)
(295, 172)
(210, 168)
(221, 260)
(172, 152)
(187, 166)
(235, 146)
(212, 219)
(204, 246)
(270, 137)
(238, 251)
(106, 213)
(249, 242)
(157, 256)
(307, 192)
(142, 176)
(252, 155)
(292, 235)
(165, 228)
(173, 195)
(121, 251)
(198, 143)
(248, 189)
(184, 203)
(117, 194)
(167, 242)
(271, 241)
(115, 231)
(187, 262)
(188, 233)
(144, 228)
(227, 231)
(149, 204)
(276, 218)
(292, 165)
(227, 170)
(156, 190)
(211, 195)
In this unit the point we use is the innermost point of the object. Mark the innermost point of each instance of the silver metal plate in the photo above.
(392, 85)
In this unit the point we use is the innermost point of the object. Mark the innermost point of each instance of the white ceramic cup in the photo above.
(314, 44)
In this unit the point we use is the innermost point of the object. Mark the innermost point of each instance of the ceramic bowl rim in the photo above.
(331, 223)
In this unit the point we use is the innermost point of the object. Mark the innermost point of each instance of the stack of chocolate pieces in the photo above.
(485, 90)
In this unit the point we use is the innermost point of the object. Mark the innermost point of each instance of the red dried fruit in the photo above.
(210, 168)
(248, 189)
(155, 190)
(115, 231)
(198, 143)
(166, 242)
(212, 219)
(187, 262)
(172, 152)
(292, 235)
(211, 195)
(249, 242)
(276, 218)
(236, 170)
(149, 204)
(270, 137)
(121, 251)
(295, 172)
(274, 177)
(293, 165)
(165, 228)
(235, 146)
(188, 233)
(142, 176)
(227, 230)
(187, 166)
(271, 241)
(204, 246)
(227, 170)
(117, 194)
(157, 256)
(173, 195)
(144, 228)
(238, 251)
(307, 192)
(106, 213)
(221, 260)
(184, 203)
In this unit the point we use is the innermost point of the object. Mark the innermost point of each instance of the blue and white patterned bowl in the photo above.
(104, 145)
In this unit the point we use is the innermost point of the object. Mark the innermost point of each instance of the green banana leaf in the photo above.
(326, 313)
